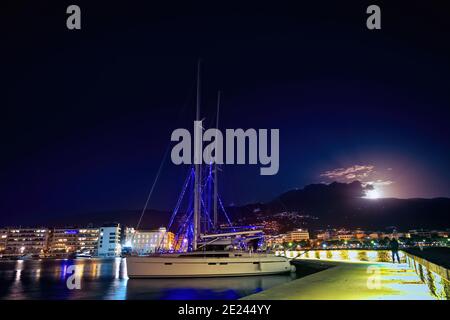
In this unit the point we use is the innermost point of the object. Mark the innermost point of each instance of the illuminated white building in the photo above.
(148, 241)
(297, 235)
(109, 241)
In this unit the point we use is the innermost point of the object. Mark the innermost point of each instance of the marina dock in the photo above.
(351, 281)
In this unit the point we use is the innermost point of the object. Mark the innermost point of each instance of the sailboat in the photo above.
(204, 259)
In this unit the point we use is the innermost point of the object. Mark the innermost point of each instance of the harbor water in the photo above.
(107, 279)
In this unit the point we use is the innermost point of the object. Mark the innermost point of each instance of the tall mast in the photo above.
(197, 183)
(216, 187)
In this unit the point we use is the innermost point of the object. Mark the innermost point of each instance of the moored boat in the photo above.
(206, 264)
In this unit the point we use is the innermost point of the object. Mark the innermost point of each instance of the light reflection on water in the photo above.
(107, 279)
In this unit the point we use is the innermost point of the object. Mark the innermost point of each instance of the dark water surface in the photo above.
(107, 279)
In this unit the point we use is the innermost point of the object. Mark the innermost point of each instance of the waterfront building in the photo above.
(420, 233)
(71, 240)
(149, 241)
(323, 235)
(27, 240)
(63, 241)
(441, 234)
(3, 239)
(342, 231)
(395, 235)
(88, 240)
(297, 235)
(403, 235)
(359, 234)
(345, 237)
(109, 241)
(275, 240)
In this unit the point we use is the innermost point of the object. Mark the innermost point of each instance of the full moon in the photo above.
(373, 194)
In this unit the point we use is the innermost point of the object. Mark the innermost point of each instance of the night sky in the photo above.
(87, 115)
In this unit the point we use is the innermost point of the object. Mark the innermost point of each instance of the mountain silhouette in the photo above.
(315, 206)
(343, 205)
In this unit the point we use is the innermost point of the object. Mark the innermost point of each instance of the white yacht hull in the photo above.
(169, 265)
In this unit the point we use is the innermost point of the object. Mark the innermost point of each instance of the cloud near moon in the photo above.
(366, 174)
(353, 172)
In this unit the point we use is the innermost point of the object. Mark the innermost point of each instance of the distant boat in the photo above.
(84, 254)
(27, 256)
(201, 261)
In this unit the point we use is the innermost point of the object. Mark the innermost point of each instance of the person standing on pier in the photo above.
(394, 249)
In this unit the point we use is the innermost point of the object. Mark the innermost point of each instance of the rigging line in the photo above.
(183, 230)
(153, 185)
(187, 216)
(180, 199)
(226, 215)
(187, 222)
(182, 109)
(188, 179)
(206, 212)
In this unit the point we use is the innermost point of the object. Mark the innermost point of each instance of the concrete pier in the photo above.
(351, 281)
